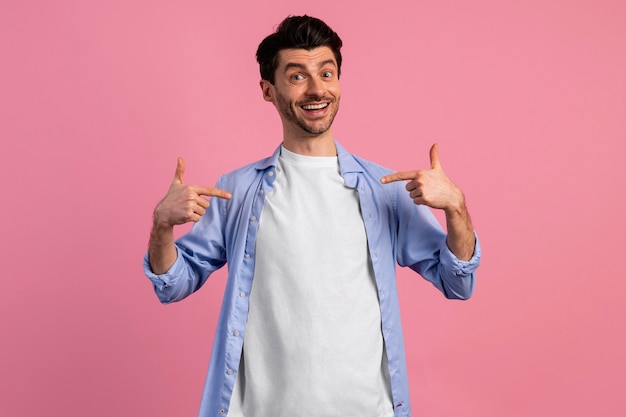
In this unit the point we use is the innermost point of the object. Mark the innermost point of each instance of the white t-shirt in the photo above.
(313, 344)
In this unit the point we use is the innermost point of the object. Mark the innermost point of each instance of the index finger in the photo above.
(212, 192)
(398, 176)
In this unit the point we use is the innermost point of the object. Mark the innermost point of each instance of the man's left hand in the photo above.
(430, 187)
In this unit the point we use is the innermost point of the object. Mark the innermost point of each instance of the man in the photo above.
(310, 322)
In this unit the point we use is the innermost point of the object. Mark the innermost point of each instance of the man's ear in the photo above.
(268, 90)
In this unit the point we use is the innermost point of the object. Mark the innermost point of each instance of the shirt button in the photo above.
(236, 333)
(247, 256)
(242, 294)
(230, 372)
(253, 218)
(271, 173)
(261, 192)
(222, 411)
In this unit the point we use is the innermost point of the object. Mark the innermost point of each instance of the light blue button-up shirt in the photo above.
(398, 231)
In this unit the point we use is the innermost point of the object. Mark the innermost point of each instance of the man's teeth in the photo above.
(314, 106)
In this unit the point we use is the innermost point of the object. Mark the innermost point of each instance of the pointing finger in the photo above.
(434, 157)
(180, 171)
(398, 176)
(212, 192)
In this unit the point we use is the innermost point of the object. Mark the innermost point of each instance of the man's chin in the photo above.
(316, 131)
(318, 128)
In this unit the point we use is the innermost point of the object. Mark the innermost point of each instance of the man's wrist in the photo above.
(458, 209)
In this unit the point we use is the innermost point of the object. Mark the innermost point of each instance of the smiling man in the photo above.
(306, 92)
(310, 321)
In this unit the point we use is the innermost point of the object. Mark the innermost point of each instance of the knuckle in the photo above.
(189, 212)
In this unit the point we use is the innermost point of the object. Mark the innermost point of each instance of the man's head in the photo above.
(296, 32)
(300, 76)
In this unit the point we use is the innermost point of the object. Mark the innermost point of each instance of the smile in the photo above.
(315, 106)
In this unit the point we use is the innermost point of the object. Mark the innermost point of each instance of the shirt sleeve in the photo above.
(161, 281)
(458, 277)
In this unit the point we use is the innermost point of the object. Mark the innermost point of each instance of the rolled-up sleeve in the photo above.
(458, 276)
(163, 281)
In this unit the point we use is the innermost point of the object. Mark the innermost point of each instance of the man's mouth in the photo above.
(319, 106)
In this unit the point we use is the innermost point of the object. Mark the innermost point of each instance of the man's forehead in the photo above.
(318, 56)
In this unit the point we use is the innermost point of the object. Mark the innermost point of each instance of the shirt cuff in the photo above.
(167, 279)
(458, 266)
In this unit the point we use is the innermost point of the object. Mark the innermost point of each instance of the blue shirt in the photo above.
(398, 231)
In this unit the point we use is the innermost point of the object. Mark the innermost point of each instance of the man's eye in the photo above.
(327, 74)
(297, 77)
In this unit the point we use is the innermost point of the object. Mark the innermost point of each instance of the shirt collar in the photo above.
(347, 163)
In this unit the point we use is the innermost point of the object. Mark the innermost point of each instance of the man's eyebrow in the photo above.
(322, 64)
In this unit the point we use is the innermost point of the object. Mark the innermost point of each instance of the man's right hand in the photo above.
(184, 203)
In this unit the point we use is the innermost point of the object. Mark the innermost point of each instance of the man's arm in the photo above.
(182, 204)
(433, 188)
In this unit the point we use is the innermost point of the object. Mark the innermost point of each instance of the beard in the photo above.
(313, 128)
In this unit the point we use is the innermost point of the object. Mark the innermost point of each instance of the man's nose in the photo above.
(315, 87)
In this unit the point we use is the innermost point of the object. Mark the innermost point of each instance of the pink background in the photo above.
(526, 98)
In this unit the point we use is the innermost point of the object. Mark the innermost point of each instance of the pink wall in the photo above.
(527, 100)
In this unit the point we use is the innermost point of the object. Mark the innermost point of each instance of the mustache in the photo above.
(314, 100)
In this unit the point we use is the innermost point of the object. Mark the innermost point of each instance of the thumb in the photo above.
(180, 171)
(434, 157)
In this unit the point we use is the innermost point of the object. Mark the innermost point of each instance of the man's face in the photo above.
(306, 90)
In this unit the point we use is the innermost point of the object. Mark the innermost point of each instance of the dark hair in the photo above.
(296, 32)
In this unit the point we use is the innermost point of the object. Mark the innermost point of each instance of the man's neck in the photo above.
(322, 145)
